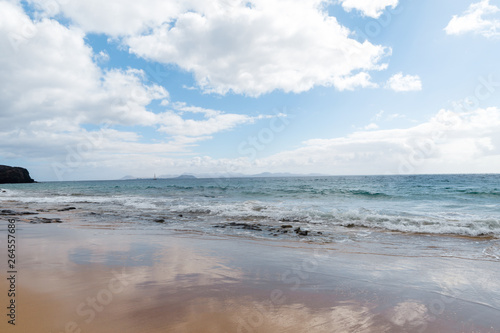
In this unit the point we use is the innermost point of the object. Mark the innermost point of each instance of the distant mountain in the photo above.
(128, 177)
(185, 177)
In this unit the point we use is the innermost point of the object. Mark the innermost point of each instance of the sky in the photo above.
(94, 90)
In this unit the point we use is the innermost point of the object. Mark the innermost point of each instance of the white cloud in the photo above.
(49, 80)
(244, 47)
(449, 142)
(399, 82)
(214, 121)
(372, 8)
(114, 17)
(272, 45)
(49, 77)
(479, 18)
(358, 80)
(188, 87)
(101, 57)
(247, 48)
(51, 88)
(371, 126)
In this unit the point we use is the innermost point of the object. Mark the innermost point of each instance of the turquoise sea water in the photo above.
(467, 205)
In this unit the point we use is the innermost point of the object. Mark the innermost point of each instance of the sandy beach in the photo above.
(76, 278)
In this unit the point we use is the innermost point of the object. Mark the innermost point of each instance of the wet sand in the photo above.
(81, 279)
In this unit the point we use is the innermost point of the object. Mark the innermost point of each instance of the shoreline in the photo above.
(185, 282)
(319, 209)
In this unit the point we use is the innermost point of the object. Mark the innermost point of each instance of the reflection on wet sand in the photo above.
(76, 280)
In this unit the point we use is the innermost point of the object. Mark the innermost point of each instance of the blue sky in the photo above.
(92, 90)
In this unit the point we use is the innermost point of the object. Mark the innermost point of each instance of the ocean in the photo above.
(436, 214)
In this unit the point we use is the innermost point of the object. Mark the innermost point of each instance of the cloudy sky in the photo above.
(102, 89)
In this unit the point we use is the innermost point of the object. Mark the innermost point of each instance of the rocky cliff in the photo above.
(11, 175)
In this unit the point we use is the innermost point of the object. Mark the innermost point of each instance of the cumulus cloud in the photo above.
(480, 18)
(249, 48)
(372, 8)
(49, 77)
(272, 45)
(399, 82)
(448, 142)
(51, 89)
(127, 17)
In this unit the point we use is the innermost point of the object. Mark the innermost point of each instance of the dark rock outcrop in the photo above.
(13, 175)
(66, 209)
(13, 213)
(45, 220)
(246, 226)
(301, 232)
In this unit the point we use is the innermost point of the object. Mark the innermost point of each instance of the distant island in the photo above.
(186, 177)
(230, 175)
(14, 175)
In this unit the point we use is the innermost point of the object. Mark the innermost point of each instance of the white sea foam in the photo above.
(492, 251)
(426, 204)
(460, 224)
